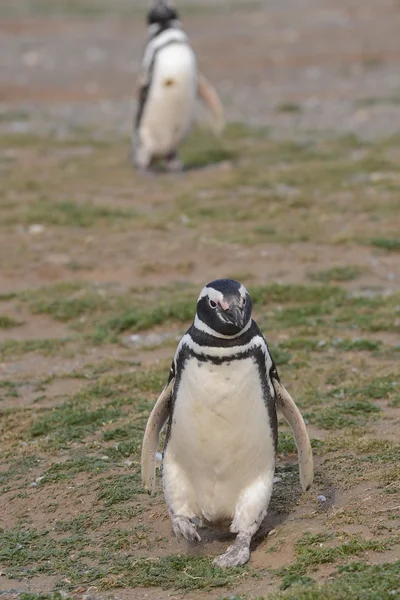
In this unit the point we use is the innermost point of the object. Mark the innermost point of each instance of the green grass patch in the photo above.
(47, 347)
(69, 468)
(71, 422)
(176, 572)
(67, 301)
(8, 389)
(392, 245)
(28, 551)
(296, 294)
(202, 149)
(344, 414)
(100, 405)
(288, 107)
(313, 550)
(141, 319)
(119, 488)
(66, 213)
(8, 322)
(352, 581)
(336, 274)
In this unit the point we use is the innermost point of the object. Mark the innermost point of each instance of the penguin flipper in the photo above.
(293, 416)
(209, 96)
(155, 423)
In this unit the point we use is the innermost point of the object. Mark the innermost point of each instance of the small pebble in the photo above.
(277, 479)
(36, 229)
(272, 532)
(321, 498)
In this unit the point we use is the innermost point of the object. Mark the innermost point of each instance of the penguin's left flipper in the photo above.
(209, 96)
(155, 423)
(293, 416)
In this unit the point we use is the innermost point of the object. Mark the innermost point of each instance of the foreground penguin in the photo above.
(220, 403)
(169, 85)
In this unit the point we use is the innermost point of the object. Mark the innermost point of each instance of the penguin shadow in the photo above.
(198, 157)
(284, 505)
(159, 169)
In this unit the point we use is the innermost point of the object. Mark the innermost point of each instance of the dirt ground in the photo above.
(100, 270)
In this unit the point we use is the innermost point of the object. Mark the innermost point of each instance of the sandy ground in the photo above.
(306, 69)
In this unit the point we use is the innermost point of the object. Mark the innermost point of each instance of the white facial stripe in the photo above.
(242, 291)
(214, 295)
(219, 351)
(199, 324)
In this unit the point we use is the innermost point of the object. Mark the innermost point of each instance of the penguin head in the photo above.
(162, 16)
(224, 306)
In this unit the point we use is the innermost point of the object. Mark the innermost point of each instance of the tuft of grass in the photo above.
(357, 345)
(67, 214)
(390, 244)
(69, 468)
(69, 421)
(10, 388)
(291, 293)
(344, 414)
(39, 596)
(177, 572)
(49, 346)
(337, 274)
(66, 301)
(8, 322)
(202, 149)
(313, 550)
(288, 107)
(7, 296)
(119, 488)
(286, 443)
(141, 319)
(29, 551)
(352, 581)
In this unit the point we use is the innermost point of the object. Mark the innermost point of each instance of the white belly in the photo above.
(170, 106)
(221, 436)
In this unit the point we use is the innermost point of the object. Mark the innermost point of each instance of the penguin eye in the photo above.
(213, 304)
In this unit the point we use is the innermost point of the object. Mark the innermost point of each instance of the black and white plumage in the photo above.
(169, 85)
(220, 408)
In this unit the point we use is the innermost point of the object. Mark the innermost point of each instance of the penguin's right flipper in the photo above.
(209, 96)
(155, 423)
(293, 416)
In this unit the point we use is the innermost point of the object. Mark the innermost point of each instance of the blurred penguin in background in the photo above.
(168, 88)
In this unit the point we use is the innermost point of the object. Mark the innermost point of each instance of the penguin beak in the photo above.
(236, 315)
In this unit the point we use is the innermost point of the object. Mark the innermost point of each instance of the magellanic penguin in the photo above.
(220, 408)
(168, 88)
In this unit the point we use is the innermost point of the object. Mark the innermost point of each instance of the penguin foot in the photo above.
(185, 527)
(173, 164)
(238, 554)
